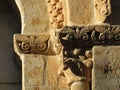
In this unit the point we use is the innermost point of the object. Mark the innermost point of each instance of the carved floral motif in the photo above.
(102, 9)
(90, 35)
(77, 66)
(35, 44)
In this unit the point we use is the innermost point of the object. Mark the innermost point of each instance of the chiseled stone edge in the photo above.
(35, 44)
(75, 36)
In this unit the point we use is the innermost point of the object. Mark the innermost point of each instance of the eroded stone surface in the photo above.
(34, 15)
(33, 67)
(102, 9)
(106, 68)
(79, 12)
(40, 73)
(56, 13)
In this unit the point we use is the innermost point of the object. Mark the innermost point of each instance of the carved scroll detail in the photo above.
(56, 14)
(35, 44)
(90, 35)
(102, 9)
(76, 67)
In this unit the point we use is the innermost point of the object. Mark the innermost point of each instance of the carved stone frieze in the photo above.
(35, 44)
(55, 9)
(77, 36)
(102, 9)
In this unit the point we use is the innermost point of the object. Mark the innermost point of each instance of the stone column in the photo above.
(33, 44)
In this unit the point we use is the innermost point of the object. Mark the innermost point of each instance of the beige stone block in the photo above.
(106, 68)
(80, 12)
(34, 73)
(34, 15)
(44, 88)
(53, 64)
(41, 73)
(53, 77)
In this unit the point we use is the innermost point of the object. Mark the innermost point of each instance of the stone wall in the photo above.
(41, 20)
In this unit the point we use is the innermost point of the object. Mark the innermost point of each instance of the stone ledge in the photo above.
(35, 44)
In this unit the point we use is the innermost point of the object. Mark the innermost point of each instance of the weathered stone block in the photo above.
(44, 88)
(106, 68)
(39, 73)
(79, 12)
(34, 15)
(33, 70)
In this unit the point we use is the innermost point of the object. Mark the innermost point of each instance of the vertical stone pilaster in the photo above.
(34, 16)
(106, 68)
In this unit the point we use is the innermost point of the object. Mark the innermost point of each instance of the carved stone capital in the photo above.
(35, 44)
(77, 44)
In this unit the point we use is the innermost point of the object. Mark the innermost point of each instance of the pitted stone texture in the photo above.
(33, 70)
(54, 79)
(106, 68)
(80, 12)
(41, 73)
(34, 16)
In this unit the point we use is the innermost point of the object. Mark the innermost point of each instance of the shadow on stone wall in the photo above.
(114, 18)
(10, 24)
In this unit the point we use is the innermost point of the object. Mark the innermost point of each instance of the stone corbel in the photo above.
(35, 44)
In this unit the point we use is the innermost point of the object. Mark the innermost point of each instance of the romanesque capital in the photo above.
(35, 44)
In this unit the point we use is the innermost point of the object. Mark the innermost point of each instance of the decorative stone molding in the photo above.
(102, 10)
(77, 44)
(35, 44)
(56, 13)
(90, 35)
